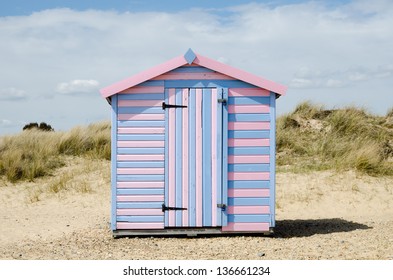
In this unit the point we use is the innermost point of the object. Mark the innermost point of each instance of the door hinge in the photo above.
(222, 100)
(222, 206)
(164, 106)
(166, 208)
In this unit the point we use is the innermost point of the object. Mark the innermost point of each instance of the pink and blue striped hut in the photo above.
(193, 150)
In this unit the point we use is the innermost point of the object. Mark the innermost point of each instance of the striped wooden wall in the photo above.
(138, 166)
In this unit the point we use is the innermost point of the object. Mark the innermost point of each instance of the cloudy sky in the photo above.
(55, 55)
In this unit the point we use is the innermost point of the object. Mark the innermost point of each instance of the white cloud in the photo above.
(12, 94)
(77, 86)
(5, 123)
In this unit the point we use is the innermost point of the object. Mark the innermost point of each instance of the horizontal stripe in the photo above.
(147, 198)
(140, 164)
(248, 201)
(142, 96)
(248, 159)
(248, 109)
(246, 227)
(248, 134)
(125, 178)
(140, 157)
(139, 103)
(141, 171)
(147, 219)
(139, 212)
(139, 144)
(151, 83)
(207, 83)
(140, 185)
(125, 225)
(141, 117)
(140, 151)
(140, 191)
(141, 124)
(141, 130)
(142, 205)
(248, 192)
(248, 176)
(193, 76)
(248, 151)
(249, 117)
(248, 218)
(141, 137)
(192, 69)
(144, 89)
(139, 110)
(249, 167)
(248, 209)
(248, 125)
(234, 92)
(252, 100)
(247, 184)
(232, 142)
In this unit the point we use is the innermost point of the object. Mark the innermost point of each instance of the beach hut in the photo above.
(193, 150)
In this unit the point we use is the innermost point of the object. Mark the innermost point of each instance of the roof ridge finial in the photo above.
(189, 56)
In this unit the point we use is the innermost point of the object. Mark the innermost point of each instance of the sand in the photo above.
(320, 215)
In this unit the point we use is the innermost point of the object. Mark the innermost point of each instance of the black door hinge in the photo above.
(222, 100)
(164, 106)
(222, 206)
(166, 208)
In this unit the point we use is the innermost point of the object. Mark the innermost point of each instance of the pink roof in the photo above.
(188, 58)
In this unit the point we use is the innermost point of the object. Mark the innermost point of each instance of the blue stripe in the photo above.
(249, 100)
(191, 159)
(113, 161)
(141, 123)
(140, 164)
(248, 201)
(141, 137)
(138, 151)
(140, 191)
(249, 151)
(178, 165)
(249, 117)
(152, 83)
(225, 158)
(138, 178)
(218, 211)
(192, 69)
(139, 205)
(140, 110)
(142, 96)
(249, 218)
(248, 184)
(251, 167)
(273, 158)
(146, 219)
(249, 134)
(207, 84)
(206, 157)
(166, 182)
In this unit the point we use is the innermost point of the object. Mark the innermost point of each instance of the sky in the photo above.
(55, 55)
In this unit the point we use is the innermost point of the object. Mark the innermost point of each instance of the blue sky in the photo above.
(55, 55)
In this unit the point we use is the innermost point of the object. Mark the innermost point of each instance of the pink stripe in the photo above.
(171, 153)
(248, 176)
(248, 159)
(185, 158)
(246, 227)
(232, 142)
(125, 225)
(193, 76)
(140, 185)
(139, 103)
(140, 144)
(248, 125)
(140, 157)
(248, 192)
(248, 210)
(156, 89)
(141, 130)
(214, 157)
(198, 159)
(139, 212)
(131, 198)
(129, 171)
(141, 117)
(248, 108)
(233, 92)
